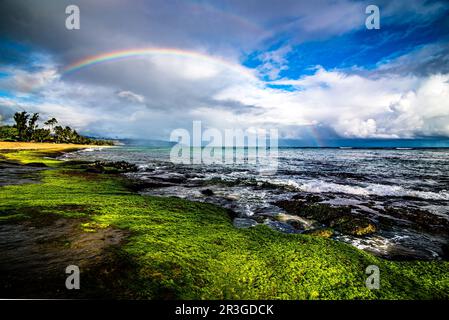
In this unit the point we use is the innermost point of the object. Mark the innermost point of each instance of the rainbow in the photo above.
(145, 52)
(313, 131)
(241, 21)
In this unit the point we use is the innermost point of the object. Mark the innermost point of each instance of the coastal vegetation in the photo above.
(26, 129)
(177, 249)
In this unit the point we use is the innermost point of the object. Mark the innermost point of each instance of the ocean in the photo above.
(403, 193)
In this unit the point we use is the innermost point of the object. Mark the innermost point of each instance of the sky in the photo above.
(311, 69)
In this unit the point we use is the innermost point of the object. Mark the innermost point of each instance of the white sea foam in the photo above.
(143, 167)
(319, 186)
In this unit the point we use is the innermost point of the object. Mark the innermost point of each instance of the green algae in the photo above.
(182, 249)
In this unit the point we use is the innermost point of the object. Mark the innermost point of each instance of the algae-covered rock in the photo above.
(339, 218)
(355, 226)
(320, 212)
(112, 167)
(323, 233)
(416, 219)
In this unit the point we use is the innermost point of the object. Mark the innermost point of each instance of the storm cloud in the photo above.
(249, 79)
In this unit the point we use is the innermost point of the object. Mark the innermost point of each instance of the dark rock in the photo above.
(244, 223)
(445, 251)
(313, 198)
(291, 206)
(280, 226)
(416, 219)
(260, 218)
(207, 192)
(231, 213)
(112, 167)
(310, 198)
(139, 185)
(295, 224)
(36, 165)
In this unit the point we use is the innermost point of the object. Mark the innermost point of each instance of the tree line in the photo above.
(26, 129)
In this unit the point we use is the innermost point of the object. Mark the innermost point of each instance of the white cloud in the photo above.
(24, 81)
(273, 62)
(170, 97)
(352, 105)
(131, 96)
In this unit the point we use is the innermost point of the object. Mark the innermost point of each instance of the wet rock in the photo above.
(445, 251)
(140, 185)
(13, 173)
(323, 232)
(295, 221)
(36, 165)
(358, 226)
(319, 212)
(112, 167)
(280, 226)
(416, 219)
(310, 198)
(260, 218)
(291, 206)
(231, 213)
(295, 224)
(340, 218)
(402, 253)
(175, 179)
(207, 192)
(244, 223)
(36, 251)
(313, 198)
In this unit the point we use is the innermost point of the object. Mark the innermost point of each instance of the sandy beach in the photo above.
(43, 146)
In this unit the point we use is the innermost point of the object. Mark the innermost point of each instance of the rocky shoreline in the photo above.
(101, 227)
(364, 223)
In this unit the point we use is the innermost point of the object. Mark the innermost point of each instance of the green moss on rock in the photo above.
(323, 233)
(339, 218)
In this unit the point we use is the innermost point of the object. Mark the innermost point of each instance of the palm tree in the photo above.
(51, 123)
(32, 126)
(21, 119)
(59, 136)
(26, 129)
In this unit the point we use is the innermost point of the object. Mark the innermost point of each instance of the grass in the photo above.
(187, 250)
(33, 152)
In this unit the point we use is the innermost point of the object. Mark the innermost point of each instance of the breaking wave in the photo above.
(319, 186)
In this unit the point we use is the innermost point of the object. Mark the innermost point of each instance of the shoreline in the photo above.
(178, 249)
(38, 146)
